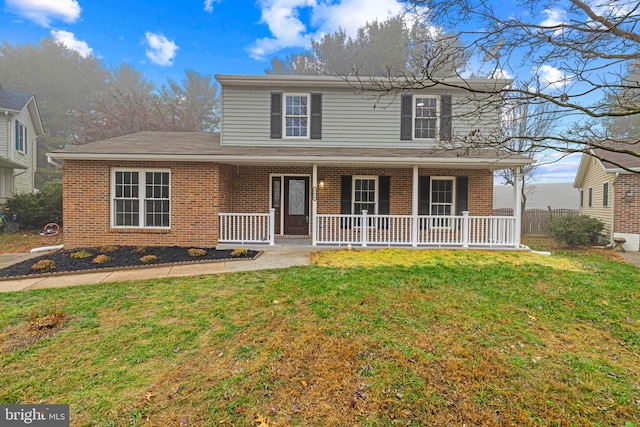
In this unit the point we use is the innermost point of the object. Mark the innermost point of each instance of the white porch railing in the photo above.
(396, 230)
(385, 230)
(247, 228)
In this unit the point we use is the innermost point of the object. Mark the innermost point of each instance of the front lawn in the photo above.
(370, 338)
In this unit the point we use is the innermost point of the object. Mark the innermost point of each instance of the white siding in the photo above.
(594, 178)
(348, 118)
(23, 180)
(5, 129)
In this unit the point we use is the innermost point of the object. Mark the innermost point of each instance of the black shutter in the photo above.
(276, 115)
(446, 114)
(316, 116)
(345, 194)
(345, 200)
(424, 182)
(462, 194)
(384, 196)
(406, 117)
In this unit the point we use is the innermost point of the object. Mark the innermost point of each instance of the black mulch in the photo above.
(123, 256)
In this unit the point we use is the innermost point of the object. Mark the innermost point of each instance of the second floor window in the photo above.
(21, 137)
(296, 116)
(425, 118)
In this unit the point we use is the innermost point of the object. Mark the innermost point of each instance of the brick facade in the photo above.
(200, 190)
(627, 212)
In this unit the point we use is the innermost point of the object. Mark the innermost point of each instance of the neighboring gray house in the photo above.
(557, 195)
(20, 126)
(305, 157)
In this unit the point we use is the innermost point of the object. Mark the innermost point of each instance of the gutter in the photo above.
(456, 162)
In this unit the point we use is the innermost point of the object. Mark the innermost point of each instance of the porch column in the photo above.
(314, 206)
(414, 208)
(517, 208)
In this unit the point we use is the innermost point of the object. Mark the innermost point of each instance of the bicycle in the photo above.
(9, 226)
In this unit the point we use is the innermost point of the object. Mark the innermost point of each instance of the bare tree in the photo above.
(573, 56)
(533, 120)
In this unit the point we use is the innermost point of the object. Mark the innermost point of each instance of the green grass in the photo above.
(370, 338)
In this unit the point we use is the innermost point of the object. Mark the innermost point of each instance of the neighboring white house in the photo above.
(20, 126)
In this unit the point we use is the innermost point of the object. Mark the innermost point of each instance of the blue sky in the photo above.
(163, 38)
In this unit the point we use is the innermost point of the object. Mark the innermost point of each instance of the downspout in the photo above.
(613, 209)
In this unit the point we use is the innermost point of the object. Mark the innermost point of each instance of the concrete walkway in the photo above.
(271, 257)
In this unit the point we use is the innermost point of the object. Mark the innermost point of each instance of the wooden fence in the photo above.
(536, 221)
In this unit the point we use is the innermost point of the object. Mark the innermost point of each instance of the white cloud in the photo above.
(208, 5)
(161, 50)
(324, 16)
(69, 40)
(555, 17)
(353, 14)
(43, 12)
(551, 77)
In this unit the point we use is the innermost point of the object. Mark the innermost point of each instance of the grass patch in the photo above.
(371, 338)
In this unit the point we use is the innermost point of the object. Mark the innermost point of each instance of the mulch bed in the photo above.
(121, 257)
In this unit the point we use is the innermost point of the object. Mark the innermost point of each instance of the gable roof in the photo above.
(619, 159)
(14, 101)
(206, 147)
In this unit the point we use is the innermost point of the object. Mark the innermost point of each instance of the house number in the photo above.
(315, 194)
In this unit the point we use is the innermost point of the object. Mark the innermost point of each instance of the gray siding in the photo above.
(4, 135)
(348, 118)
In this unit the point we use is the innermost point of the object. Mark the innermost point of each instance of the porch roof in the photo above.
(205, 147)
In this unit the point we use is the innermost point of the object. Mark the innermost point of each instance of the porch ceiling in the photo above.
(206, 147)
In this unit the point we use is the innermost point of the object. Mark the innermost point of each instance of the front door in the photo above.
(295, 205)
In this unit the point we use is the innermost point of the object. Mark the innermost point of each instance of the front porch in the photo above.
(364, 230)
(408, 210)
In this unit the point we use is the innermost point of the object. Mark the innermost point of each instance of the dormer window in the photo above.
(296, 117)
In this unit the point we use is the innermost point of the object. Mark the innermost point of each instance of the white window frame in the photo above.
(414, 107)
(285, 116)
(22, 137)
(142, 213)
(376, 193)
(437, 222)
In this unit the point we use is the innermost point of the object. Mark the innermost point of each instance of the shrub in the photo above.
(239, 253)
(576, 230)
(81, 254)
(139, 250)
(102, 259)
(196, 252)
(108, 248)
(148, 259)
(36, 209)
(43, 265)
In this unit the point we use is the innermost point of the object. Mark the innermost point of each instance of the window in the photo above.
(364, 194)
(296, 116)
(140, 198)
(21, 137)
(590, 197)
(442, 198)
(425, 123)
(605, 194)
